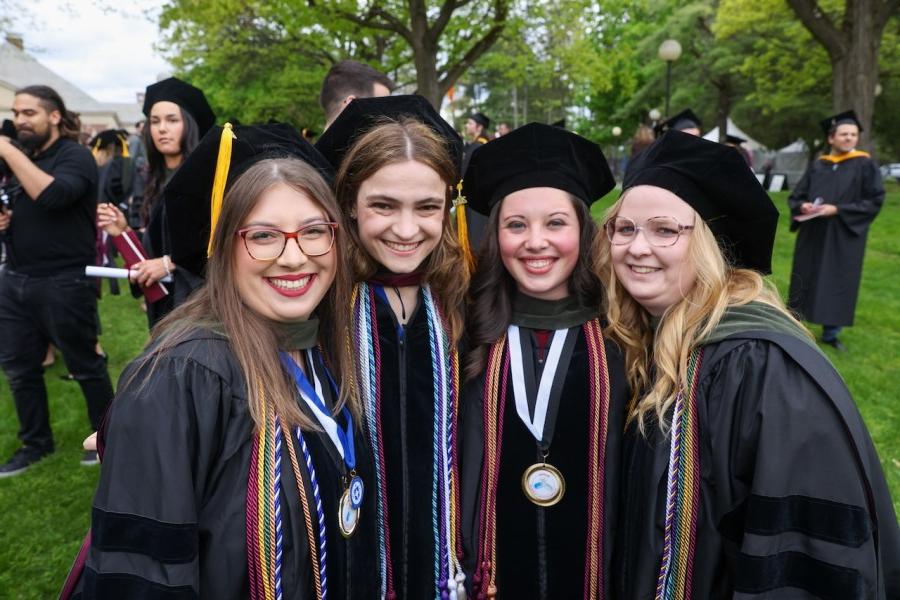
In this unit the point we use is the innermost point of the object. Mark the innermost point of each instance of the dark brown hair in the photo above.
(50, 100)
(218, 304)
(349, 78)
(156, 162)
(401, 141)
(493, 288)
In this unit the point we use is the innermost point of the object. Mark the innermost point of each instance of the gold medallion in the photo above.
(543, 484)
(348, 517)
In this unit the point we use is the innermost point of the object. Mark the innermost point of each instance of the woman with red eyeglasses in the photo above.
(234, 465)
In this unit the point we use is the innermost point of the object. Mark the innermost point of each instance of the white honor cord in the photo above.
(535, 425)
(326, 421)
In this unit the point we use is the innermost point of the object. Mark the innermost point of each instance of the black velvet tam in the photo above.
(184, 95)
(714, 179)
(187, 196)
(847, 117)
(686, 119)
(536, 155)
(734, 139)
(363, 114)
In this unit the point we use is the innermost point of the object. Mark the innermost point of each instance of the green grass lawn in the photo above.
(45, 512)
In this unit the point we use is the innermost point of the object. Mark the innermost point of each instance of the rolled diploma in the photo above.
(113, 273)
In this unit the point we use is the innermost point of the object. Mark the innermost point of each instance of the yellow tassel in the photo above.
(223, 163)
(124, 146)
(462, 228)
(95, 151)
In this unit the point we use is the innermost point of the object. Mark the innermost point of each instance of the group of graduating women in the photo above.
(345, 409)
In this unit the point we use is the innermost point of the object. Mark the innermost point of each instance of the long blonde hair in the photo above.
(218, 305)
(684, 325)
(393, 142)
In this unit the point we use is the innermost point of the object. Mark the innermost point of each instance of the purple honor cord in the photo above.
(342, 438)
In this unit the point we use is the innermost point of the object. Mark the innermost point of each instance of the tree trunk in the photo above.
(853, 51)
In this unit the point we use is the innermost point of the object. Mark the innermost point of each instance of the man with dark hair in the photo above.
(348, 80)
(44, 295)
(476, 131)
(833, 206)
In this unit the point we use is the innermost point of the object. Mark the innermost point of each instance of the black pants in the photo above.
(33, 312)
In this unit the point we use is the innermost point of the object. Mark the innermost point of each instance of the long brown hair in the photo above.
(393, 142)
(493, 288)
(683, 326)
(156, 162)
(218, 304)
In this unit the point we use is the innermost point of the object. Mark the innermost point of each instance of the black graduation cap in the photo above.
(481, 119)
(714, 179)
(686, 119)
(184, 95)
(831, 123)
(188, 194)
(536, 155)
(734, 139)
(108, 137)
(561, 123)
(9, 129)
(364, 113)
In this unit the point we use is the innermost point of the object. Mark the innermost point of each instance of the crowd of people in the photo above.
(396, 365)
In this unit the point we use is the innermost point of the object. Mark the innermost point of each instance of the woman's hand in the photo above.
(90, 442)
(111, 219)
(148, 272)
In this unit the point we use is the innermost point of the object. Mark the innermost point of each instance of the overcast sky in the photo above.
(108, 52)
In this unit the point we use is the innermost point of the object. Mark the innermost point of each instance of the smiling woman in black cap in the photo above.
(178, 117)
(234, 463)
(544, 404)
(747, 469)
(397, 160)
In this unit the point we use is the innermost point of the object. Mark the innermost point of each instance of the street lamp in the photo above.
(669, 51)
(616, 131)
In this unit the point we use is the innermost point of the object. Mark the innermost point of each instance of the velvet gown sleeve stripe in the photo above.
(165, 542)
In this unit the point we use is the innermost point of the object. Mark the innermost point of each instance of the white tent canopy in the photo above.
(732, 129)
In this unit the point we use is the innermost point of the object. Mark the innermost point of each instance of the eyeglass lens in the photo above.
(659, 231)
(269, 244)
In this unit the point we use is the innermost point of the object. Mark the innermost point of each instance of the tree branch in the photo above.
(481, 46)
(820, 26)
(447, 10)
(888, 9)
(370, 20)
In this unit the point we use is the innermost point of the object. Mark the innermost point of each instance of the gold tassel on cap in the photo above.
(223, 163)
(462, 227)
(124, 145)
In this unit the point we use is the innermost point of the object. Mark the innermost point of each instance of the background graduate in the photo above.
(398, 160)
(747, 470)
(842, 193)
(233, 454)
(544, 404)
(178, 117)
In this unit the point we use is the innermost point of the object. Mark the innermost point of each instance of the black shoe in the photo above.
(20, 461)
(90, 458)
(836, 344)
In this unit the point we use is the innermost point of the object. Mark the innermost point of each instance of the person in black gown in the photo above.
(397, 160)
(545, 398)
(178, 117)
(233, 461)
(833, 206)
(747, 471)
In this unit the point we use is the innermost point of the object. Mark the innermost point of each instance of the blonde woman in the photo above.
(747, 470)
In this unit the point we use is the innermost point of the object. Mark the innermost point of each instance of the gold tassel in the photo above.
(124, 145)
(223, 163)
(95, 151)
(462, 227)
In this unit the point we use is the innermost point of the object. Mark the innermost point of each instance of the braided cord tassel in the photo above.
(320, 514)
(682, 493)
(599, 429)
(252, 520)
(276, 497)
(307, 516)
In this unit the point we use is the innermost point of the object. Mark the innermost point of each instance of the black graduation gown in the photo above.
(169, 515)
(541, 551)
(793, 502)
(407, 425)
(828, 256)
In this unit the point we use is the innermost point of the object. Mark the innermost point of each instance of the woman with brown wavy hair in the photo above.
(398, 160)
(234, 464)
(545, 396)
(747, 470)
